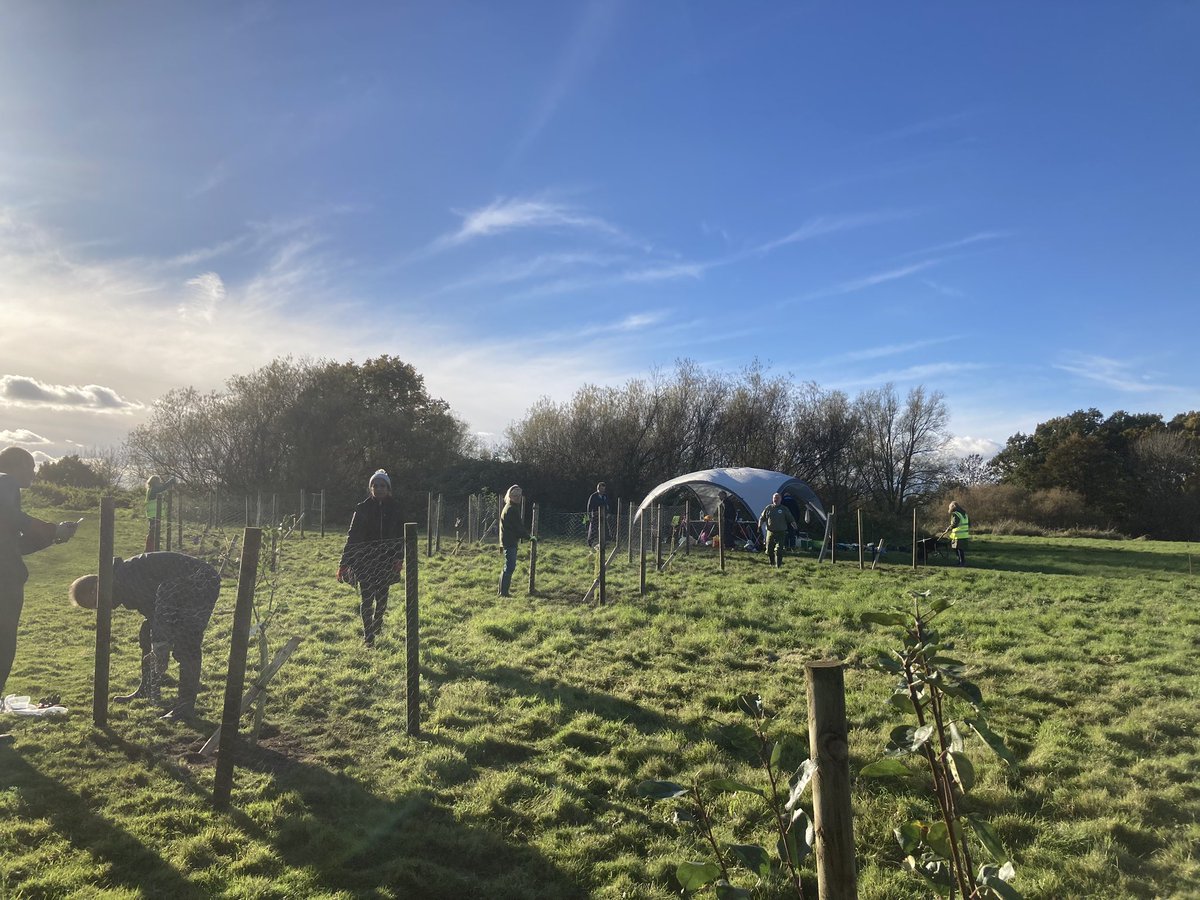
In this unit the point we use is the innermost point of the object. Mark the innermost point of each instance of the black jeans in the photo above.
(374, 605)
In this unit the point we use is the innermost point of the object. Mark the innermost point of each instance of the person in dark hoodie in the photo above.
(373, 557)
(176, 595)
(20, 534)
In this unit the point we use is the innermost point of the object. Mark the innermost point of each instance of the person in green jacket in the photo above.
(777, 519)
(512, 529)
(959, 531)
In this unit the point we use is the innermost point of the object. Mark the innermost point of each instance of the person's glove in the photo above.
(64, 531)
(345, 575)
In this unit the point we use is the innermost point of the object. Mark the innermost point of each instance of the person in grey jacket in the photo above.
(176, 595)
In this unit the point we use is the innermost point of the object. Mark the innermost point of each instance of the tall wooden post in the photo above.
(687, 528)
(235, 680)
(601, 557)
(829, 749)
(722, 532)
(158, 511)
(616, 535)
(167, 518)
(533, 551)
(658, 537)
(914, 540)
(258, 510)
(303, 510)
(322, 512)
(642, 551)
(274, 512)
(179, 522)
(437, 544)
(629, 539)
(833, 534)
(412, 636)
(429, 524)
(104, 598)
(861, 564)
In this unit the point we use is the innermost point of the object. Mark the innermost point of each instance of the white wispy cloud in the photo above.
(823, 225)
(1122, 375)
(981, 237)
(21, 436)
(579, 56)
(918, 374)
(205, 299)
(512, 214)
(867, 281)
(962, 445)
(886, 350)
(23, 391)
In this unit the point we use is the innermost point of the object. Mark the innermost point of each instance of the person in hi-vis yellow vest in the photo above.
(959, 531)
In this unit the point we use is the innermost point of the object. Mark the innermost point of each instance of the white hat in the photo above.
(380, 475)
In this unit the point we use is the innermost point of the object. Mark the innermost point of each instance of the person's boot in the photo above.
(189, 687)
(505, 581)
(149, 687)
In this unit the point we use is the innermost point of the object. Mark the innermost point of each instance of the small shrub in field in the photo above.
(930, 684)
(1011, 526)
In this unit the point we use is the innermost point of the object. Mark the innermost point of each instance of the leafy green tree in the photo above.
(71, 471)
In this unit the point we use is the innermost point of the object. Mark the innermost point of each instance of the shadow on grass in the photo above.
(129, 862)
(354, 840)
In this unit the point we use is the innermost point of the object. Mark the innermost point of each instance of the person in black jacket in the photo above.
(176, 593)
(373, 557)
(20, 534)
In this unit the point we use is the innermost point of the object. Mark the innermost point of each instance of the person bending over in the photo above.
(176, 595)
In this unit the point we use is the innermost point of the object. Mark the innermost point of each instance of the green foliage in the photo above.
(781, 814)
(71, 471)
(929, 682)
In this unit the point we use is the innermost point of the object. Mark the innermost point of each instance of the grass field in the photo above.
(543, 715)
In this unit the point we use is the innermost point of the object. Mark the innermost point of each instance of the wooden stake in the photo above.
(829, 749)
(412, 636)
(861, 562)
(104, 598)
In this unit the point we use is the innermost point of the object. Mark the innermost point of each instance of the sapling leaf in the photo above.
(883, 768)
(908, 835)
(753, 857)
(683, 815)
(776, 754)
(988, 837)
(999, 887)
(751, 705)
(940, 604)
(1008, 871)
(901, 699)
(962, 770)
(887, 663)
(909, 738)
(788, 847)
(956, 739)
(661, 790)
(938, 838)
(694, 875)
(883, 618)
(964, 690)
(993, 740)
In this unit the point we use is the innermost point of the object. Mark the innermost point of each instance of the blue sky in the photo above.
(996, 201)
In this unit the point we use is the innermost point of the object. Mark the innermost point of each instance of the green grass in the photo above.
(542, 715)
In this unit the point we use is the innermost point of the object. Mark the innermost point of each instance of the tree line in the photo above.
(305, 424)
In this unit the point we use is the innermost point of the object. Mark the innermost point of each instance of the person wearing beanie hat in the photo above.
(373, 557)
(20, 534)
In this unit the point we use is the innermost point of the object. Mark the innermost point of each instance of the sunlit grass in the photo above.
(541, 716)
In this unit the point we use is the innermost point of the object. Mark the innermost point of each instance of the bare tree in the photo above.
(902, 452)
